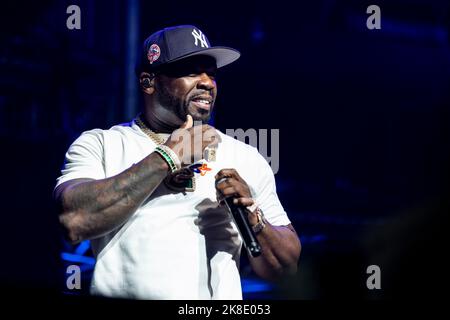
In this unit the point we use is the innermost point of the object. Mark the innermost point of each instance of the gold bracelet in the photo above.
(261, 224)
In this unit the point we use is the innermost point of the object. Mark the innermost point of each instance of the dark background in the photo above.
(363, 118)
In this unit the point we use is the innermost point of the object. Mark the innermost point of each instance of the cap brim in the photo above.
(223, 55)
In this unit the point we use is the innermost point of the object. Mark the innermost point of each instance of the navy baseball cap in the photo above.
(180, 42)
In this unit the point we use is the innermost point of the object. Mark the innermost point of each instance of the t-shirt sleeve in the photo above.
(84, 158)
(266, 194)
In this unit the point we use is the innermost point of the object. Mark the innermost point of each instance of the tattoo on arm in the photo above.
(91, 208)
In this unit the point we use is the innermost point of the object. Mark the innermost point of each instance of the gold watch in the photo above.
(261, 224)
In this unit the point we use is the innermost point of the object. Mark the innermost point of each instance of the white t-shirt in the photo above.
(175, 246)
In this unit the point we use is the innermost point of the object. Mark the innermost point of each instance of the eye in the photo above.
(212, 75)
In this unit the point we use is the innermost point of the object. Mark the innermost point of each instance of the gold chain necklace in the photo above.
(210, 151)
(156, 138)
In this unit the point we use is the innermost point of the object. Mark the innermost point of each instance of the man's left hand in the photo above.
(236, 187)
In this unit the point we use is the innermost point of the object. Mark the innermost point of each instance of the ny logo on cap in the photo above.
(199, 36)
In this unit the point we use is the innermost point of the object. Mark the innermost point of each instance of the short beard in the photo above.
(175, 105)
(171, 103)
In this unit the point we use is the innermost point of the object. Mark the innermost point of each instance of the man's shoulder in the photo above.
(247, 153)
(121, 127)
(118, 129)
(98, 135)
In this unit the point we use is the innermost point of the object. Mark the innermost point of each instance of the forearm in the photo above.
(90, 209)
(280, 252)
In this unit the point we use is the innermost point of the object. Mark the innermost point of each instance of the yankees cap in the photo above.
(180, 42)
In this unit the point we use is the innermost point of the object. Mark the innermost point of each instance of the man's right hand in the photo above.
(189, 141)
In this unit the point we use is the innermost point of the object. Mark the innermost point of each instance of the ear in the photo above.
(147, 82)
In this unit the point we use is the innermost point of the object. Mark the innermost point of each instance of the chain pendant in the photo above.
(210, 154)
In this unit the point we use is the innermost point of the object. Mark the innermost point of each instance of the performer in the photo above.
(148, 199)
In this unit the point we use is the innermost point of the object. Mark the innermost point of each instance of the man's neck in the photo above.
(161, 120)
(157, 125)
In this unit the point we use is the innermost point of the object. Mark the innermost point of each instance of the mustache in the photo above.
(203, 93)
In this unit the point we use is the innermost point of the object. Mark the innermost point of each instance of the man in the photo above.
(149, 194)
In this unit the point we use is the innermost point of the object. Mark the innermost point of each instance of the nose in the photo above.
(206, 82)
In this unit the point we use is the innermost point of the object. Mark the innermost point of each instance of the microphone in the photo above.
(239, 215)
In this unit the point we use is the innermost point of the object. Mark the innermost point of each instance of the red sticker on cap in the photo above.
(153, 53)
